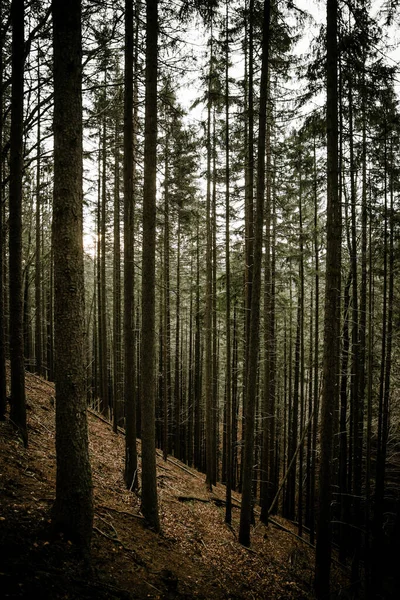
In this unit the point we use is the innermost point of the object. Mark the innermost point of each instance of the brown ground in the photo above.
(196, 555)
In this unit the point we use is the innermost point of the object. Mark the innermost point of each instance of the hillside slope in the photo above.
(196, 555)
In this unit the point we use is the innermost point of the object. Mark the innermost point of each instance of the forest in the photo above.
(199, 246)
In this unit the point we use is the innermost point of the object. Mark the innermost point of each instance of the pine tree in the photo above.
(18, 400)
(73, 508)
(149, 482)
(251, 383)
(332, 314)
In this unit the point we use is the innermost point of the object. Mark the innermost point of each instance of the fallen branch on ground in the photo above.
(121, 512)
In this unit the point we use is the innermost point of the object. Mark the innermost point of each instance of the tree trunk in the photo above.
(332, 315)
(316, 354)
(149, 481)
(302, 372)
(251, 384)
(177, 386)
(209, 304)
(167, 309)
(104, 404)
(18, 401)
(228, 381)
(214, 327)
(3, 387)
(197, 364)
(384, 388)
(130, 474)
(38, 243)
(73, 509)
(117, 348)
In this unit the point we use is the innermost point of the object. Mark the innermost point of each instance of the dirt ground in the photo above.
(195, 556)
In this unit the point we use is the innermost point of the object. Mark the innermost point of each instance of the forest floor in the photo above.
(195, 556)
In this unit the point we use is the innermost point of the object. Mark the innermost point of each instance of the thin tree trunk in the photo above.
(363, 298)
(197, 364)
(177, 387)
(38, 242)
(228, 381)
(117, 349)
(190, 434)
(316, 353)
(292, 480)
(50, 319)
(167, 310)
(3, 387)
(370, 378)
(18, 401)
(215, 418)
(208, 312)
(343, 450)
(149, 476)
(105, 406)
(384, 387)
(267, 408)
(129, 268)
(302, 350)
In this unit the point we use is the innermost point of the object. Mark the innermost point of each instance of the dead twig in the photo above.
(106, 535)
(194, 499)
(121, 512)
(153, 586)
(177, 464)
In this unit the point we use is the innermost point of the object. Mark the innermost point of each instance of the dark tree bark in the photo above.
(177, 364)
(249, 174)
(3, 389)
(251, 383)
(149, 481)
(378, 554)
(332, 315)
(18, 401)
(316, 354)
(268, 401)
(129, 268)
(363, 292)
(117, 345)
(228, 382)
(73, 508)
(209, 303)
(343, 446)
(38, 240)
(302, 350)
(50, 320)
(190, 407)
(103, 358)
(197, 364)
(167, 309)
(214, 335)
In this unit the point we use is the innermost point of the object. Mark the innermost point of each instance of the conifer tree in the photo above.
(18, 400)
(149, 482)
(73, 508)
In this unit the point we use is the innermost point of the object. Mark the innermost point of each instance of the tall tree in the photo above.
(38, 242)
(332, 313)
(149, 481)
(251, 383)
(129, 268)
(208, 311)
(73, 508)
(228, 383)
(18, 401)
(3, 388)
(117, 342)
